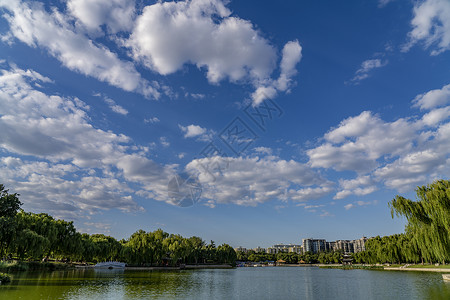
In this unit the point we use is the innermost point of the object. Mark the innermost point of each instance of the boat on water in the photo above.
(446, 277)
(110, 265)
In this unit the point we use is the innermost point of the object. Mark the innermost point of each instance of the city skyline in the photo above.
(300, 118)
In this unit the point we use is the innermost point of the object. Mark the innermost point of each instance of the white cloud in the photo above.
(253, 180)
(263, 150)
(115, 107)
(33, 25)
(152, 120)
(203, 33)
(196, 96)
(291, 56)
(431, 25)
(360, 203)
(169, 35)
(349, 206)
(195, 131)
(164, 141)
(360, 186)
(73, 168)
(436, 116)
(383, 3)
(366, 67)
(359, 141)
(117, 15)
(433, 98)
(400, 154)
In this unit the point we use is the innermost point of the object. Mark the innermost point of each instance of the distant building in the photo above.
(282, 248)
(259, 250)
(314, 245)
(295, 249)
(241, 249)
(271, 250)
(359, 245)
(344, 246)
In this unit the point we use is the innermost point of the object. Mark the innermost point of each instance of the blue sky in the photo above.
(104, 102)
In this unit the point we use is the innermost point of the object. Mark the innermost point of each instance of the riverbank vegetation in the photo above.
(427, 233)
(26, 236)
(34, 237)
(292, 258)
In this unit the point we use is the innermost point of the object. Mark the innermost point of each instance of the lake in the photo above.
(240, 283)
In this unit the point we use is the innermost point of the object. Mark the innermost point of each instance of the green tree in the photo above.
(9, 205)
(428, 219)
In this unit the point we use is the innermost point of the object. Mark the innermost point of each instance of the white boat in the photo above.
(446, 277)
(110, 265)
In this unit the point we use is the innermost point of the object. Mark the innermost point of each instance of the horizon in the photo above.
(242, 123)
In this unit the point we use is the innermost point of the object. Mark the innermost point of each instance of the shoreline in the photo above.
(417, 269)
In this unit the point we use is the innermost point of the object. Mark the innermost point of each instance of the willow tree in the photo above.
(428, 219)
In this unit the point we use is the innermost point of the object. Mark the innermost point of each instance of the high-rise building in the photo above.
(314, 245)
(359, 245)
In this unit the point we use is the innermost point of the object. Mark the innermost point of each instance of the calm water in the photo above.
(241, 283)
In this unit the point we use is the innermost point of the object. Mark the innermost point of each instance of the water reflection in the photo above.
(242, 283)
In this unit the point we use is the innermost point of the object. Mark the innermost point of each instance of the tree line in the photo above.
(30, 236)
(331, 257)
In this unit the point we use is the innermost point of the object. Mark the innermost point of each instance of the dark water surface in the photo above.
(240, 283)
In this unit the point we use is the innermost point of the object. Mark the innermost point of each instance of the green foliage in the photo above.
(36, 237)
(9, 205)
(428, 220)
(4, 278)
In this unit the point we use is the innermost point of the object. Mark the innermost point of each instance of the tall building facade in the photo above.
(314, 245)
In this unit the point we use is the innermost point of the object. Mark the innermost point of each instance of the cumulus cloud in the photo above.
(117, 15)
(359, 141)
(433, 98)
(360, 186)
(431, 25)
(291, 56)
(196, 131)
(168, 35)
(229, 47)
(252, 180)
(30, 23)
(366, 67)
(163, 37)
(72, 167)
(400, 154)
